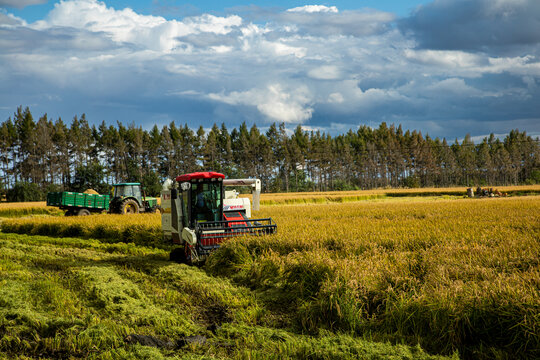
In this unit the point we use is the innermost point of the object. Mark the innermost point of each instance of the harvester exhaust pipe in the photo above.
(255, 188)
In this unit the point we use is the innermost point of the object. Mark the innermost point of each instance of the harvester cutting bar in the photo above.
(212, 233)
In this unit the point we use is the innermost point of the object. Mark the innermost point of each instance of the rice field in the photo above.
(377, 278)
(27, 208)
(359, 195)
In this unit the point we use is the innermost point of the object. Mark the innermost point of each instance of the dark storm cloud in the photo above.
(20, 3)
(475, 25)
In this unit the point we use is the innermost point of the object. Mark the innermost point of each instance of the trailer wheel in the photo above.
(83, 212)
(129, 206)
(69, 212)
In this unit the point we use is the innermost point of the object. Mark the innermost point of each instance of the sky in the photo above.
(444, 67)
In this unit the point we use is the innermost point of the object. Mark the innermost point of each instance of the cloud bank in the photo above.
(450, 68)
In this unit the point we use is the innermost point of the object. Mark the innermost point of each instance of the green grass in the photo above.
(80, 298)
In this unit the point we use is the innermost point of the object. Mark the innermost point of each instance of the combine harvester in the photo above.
(199, 215)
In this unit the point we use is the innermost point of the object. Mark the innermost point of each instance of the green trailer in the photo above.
(78, 203)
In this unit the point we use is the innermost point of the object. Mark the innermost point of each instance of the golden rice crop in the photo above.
(451, 274)
(21, 205)
(355, 195)
(27, 208)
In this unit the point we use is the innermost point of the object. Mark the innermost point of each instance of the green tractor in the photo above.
(130, 198)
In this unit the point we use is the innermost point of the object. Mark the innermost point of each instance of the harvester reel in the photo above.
(129, 206)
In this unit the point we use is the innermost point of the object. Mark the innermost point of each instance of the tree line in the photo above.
(51, 154)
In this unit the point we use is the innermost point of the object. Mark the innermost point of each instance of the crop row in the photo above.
(141, 229)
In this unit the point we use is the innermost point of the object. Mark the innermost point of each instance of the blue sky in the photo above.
(171, 8)
(444, 67)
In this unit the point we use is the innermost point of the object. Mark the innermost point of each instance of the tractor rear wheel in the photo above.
(129, 206)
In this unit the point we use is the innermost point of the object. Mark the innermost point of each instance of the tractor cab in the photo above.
(129, 198)
(197, 215)
(128, 190)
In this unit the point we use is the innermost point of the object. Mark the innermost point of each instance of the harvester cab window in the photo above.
(206, 201)
(185, 202)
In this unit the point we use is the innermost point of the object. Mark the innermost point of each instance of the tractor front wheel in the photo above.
(129, 206)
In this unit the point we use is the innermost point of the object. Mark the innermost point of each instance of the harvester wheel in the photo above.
(129, 206)
(178, 255)
(83, 212)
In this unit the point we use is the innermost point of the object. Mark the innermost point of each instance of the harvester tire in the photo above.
(178, 255)
(129, 206)
(83, 212)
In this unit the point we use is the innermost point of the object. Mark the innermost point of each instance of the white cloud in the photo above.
(336, 98)
(153, 32)
(445, 58)
(314, 9)
(454, 87)
(277, 104)
(280, 49)
(325, 72)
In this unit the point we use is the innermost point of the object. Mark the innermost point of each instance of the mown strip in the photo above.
(73, 298)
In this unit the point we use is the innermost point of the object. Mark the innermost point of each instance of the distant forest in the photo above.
(43, 155)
